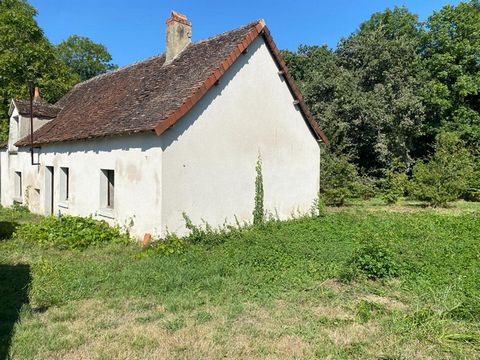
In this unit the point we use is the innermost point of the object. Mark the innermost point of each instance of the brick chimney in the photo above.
(179, 35)
(36, 96)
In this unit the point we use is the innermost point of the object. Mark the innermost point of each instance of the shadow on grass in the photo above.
(7, 228)
(14, 283)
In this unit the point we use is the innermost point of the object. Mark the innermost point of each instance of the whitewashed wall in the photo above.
(136, 159)
(203, 166)
(209, 156)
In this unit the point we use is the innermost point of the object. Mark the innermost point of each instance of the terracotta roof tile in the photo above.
(41, 109)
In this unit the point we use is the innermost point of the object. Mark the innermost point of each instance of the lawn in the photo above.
(271, 292)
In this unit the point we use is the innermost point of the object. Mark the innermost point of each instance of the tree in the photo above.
(338, 178)
(450, 51)
(25, 54)
(367, 94)
(388, 113)
(86, 58)
(447, 175)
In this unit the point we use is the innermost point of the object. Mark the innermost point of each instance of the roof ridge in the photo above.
(228, 31)
(160, 55)
(112, 72)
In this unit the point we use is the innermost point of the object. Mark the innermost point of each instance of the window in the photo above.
(64, 184)
(18, 184)
(107, 189)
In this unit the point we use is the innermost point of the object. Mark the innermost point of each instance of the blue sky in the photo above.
(135, 30)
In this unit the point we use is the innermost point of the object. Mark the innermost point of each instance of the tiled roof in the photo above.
(151, 96)
(41, 109)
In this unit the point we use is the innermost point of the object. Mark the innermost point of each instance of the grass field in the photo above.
(261, 293)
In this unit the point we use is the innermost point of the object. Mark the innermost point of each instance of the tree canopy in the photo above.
(86, 58)
(26, 54)
(389, 88)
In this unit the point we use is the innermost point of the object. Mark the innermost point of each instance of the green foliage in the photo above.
(70, 232)
(365, 187)
(86, 58)
(171, 245)
(391, 86)
(373, 261)
(258, 211)
(367, 94)
(338, 179)
(319, 208)
(450, 51)
(447, 175)
(26, 54)
(289, 265)
(395, 185)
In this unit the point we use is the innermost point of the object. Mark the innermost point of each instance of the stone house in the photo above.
(176, 133)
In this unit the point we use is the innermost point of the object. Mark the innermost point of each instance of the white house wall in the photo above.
(210, 155)
(136, 160)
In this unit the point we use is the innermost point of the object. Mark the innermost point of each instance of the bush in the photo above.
(171, 245)
(70, 232)
(338, 179)
(371, 261)
(395, 185)
(365, 188)
(447, 176)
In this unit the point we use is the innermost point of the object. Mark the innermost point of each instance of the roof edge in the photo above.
(259, 29)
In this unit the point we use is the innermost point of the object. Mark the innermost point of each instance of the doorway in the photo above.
(49, 190)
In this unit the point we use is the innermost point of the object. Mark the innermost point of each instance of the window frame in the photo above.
(18, 186)
(64, 185)
(107, 192)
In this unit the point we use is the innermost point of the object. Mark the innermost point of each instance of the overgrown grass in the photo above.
(262, 292)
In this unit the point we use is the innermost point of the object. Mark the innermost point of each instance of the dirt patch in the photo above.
(388, 302)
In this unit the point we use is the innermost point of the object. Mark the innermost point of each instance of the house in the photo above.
(176, 133)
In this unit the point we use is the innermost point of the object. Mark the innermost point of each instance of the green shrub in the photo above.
(171, 245)
(395, 185)
(447, 175)
(207, 235)
(70, 232)
(371, 261)
(365, 188)
(338, 179)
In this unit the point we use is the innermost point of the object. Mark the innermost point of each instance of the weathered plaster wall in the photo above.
(209, 155)
(136, 159)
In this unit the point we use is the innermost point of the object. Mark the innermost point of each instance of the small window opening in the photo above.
(108, 188)
(18, 184)
(64, 183)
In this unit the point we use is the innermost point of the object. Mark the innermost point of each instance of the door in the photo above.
(49, 190)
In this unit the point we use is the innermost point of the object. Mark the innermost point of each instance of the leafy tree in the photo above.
(395, 183)
(450, 51)
(388, 112)
(367, 94)
(338, 178)
(447, 175)
(25, 54)
(86, 58)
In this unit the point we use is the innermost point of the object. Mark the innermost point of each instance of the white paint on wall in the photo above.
(203, 166)
(210, 155)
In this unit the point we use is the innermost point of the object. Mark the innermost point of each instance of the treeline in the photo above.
(26, 54)
(399, 100)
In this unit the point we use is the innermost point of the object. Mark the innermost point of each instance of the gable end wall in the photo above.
(209, 156)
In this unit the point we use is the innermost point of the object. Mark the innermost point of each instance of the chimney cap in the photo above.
(178, 17)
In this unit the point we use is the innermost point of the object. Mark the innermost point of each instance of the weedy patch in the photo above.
(267, 291)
